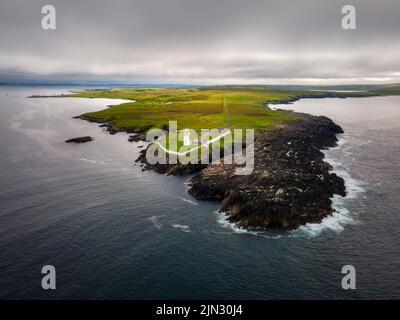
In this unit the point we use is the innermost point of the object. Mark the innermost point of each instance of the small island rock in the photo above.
(80, 139)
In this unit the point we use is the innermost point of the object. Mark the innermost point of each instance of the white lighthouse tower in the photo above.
(186, 137)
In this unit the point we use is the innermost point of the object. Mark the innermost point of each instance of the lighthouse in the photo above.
(186, 137)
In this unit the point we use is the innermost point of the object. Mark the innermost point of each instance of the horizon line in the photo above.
(94, 83)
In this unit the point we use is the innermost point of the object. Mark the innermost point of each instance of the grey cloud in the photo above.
(210, 41)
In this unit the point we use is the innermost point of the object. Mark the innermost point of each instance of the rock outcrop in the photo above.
(291, 184)
(80, 139)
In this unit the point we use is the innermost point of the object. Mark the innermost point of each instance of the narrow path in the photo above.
(226, 111)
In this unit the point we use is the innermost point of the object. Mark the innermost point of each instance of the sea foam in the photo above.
(337, 221)
(182, 227)
(155, 221)
(189, 201)
(234, 229)
(342, 216)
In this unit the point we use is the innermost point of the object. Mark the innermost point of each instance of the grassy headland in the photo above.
(191, 108)
(211, 107)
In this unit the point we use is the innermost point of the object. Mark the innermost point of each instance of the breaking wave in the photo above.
(155, 221)
(223, 222)
(189, 201)
(92, 161)
(354, 187)
(182, 227)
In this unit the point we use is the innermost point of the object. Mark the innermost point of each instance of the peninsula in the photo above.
(291, 184)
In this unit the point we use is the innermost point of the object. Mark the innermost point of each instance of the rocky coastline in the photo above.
(291, 184)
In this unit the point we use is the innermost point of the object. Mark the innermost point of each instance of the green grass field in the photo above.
(192, 108)
(205, 107)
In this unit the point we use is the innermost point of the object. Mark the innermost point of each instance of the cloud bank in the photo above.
(224, 41)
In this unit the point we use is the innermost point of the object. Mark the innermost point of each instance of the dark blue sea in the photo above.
(115, 232)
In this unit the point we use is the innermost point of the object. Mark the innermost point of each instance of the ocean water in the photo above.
(115, 232)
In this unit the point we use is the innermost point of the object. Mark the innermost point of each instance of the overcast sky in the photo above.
(202, 41)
